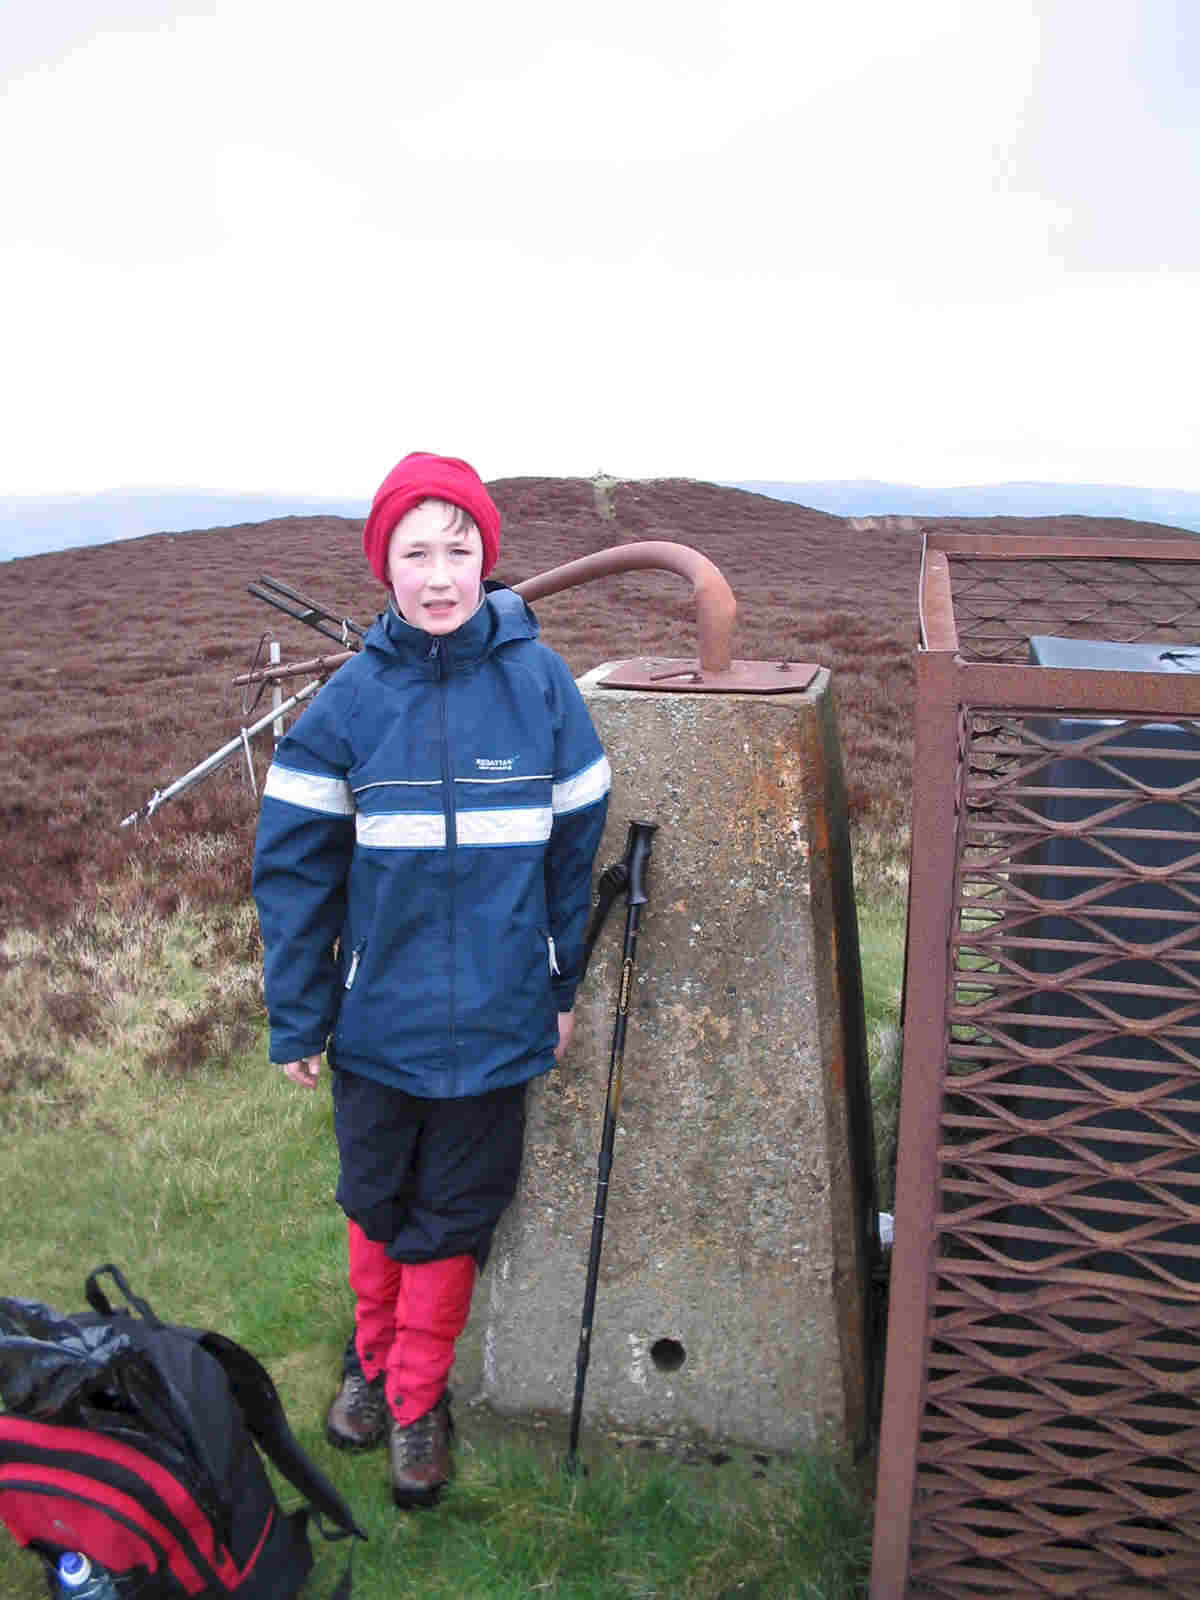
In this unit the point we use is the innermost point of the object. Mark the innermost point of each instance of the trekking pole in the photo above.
(637, 859)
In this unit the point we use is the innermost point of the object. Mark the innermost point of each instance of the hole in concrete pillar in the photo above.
(668, 1355)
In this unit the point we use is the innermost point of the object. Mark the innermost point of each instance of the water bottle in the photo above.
(78, 1579)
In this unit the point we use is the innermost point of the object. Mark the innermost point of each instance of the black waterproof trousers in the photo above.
(428, 1179)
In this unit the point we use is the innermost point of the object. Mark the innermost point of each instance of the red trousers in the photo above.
(407, 1316)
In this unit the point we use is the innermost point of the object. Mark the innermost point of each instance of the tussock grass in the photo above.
(118, 990)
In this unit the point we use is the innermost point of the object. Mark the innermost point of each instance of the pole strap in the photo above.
(627, 874)
(613, 881)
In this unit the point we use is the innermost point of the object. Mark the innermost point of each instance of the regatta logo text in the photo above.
(495, 763)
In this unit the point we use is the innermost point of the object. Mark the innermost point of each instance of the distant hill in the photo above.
(30, 525)
(868, 497)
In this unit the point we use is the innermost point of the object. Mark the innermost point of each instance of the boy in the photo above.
(423, 877)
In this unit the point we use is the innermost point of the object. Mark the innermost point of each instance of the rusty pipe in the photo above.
(716, 606)
(715, 603)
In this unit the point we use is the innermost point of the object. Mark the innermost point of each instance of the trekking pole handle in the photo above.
(637, 853)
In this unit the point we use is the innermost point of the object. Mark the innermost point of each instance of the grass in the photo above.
(516, 1525)
(881, 932)
(153, 1133)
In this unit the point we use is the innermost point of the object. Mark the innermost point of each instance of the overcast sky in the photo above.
(268, 244)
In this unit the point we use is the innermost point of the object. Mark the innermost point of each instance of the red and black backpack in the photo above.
(137, 1442)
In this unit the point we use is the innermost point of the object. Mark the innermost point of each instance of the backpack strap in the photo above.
(99, 1301)
(268, 1424)
(259, 1401)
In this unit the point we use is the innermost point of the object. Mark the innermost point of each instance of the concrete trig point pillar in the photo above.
(740, 1228)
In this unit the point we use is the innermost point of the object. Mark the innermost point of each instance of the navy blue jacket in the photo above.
(424, 857)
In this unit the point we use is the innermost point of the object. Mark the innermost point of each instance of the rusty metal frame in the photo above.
(946, 1525)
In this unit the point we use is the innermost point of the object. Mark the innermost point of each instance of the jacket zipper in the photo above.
(355, 958)
(448, 811)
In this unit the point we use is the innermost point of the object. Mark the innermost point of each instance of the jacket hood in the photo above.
(501, 618)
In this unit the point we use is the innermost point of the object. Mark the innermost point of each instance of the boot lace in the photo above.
(416, 1441)
(364, 1399)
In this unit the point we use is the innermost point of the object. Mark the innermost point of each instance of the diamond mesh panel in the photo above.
(1059, 1449)
(998, 605)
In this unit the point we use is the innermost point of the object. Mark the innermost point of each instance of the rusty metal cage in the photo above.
(1041, 1421)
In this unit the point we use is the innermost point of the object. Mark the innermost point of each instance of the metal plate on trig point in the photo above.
(743, 677)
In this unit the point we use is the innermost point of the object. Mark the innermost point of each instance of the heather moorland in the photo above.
(119, 662)
(119, 658)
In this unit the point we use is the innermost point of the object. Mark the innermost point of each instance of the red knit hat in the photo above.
(424, 477)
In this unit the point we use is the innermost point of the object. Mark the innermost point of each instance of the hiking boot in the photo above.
(358, 1417)
(420, 1456)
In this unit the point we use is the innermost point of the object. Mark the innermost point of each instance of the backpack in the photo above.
(137, 1442)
